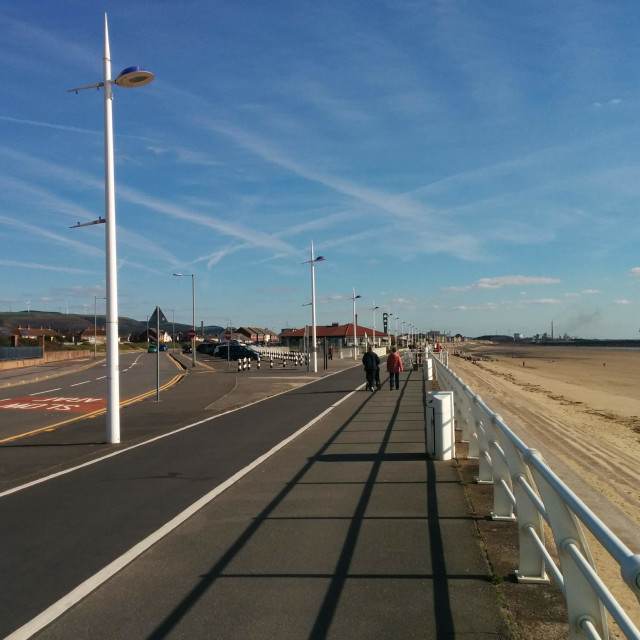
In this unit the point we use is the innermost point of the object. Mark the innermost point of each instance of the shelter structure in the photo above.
(335, 335)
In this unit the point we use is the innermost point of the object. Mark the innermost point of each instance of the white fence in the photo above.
(527, 490)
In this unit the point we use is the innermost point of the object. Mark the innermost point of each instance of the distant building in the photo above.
(39, 335)
(336, 335)
(99, 337)
(255, 334)
(151, 335)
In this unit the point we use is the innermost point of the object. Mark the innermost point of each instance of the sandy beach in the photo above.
(580, 407)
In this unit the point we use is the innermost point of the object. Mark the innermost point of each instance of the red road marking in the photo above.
(54, 403)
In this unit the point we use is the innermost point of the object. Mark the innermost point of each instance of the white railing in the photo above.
(525, 485)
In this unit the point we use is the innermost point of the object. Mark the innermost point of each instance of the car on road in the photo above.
(236, 352)
(186, 348)
(152, 348)
(163, 347)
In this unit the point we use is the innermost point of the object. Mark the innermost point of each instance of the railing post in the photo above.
(502, 486)
(583, 602)
(480, 419)
(531, 565)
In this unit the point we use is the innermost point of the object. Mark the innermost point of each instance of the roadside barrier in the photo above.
(525, 485)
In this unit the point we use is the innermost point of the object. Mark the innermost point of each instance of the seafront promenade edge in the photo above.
(348, 531)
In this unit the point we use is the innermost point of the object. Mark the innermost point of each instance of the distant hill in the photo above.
(71, 322)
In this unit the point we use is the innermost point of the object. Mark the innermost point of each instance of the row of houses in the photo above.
(241, 334)
(99, 335)
(337, 335)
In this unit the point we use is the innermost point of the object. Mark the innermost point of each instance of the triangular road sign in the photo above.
(154, 317)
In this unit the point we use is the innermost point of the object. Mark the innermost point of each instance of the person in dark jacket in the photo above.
(371, 364)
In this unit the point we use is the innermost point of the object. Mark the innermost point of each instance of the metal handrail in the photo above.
(524, 484)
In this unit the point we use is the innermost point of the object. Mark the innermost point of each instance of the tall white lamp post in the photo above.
(355, 337)
(373, 309)
(130, 77)
(193, 303)
(95, 325)
(314, 347)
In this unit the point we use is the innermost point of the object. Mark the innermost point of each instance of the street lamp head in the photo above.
(319, 259)
(134, 77)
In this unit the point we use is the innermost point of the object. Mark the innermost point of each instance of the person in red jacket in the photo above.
(394, 367)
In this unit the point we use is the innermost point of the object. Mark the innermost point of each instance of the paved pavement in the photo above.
(348, 531)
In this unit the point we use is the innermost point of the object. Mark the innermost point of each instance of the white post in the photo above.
(314, 357)
(113, 373)
(355, 338)
(193, 301)
(95, 326)
(373, 309)
(157, 353)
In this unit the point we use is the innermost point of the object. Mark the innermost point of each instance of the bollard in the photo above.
(239, 366)
(258, 364)
(271, 363)
(248, 364)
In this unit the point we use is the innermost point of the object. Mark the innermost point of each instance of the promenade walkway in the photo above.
(348, 531)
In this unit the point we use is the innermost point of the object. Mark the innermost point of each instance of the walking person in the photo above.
(371, 364)
(394, 367)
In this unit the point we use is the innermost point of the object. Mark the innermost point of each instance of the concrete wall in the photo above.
(52, 356)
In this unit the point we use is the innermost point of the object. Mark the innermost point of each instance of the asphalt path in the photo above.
(58, 533)
(30, 403)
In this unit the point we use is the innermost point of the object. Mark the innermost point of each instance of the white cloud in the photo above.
(635, 271)
(491, 306)
(544, 301)
(504, 281)
(46, 267)
(622, 301)
(62, 240)
(613, 101)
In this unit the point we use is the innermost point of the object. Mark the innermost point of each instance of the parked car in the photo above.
(186, 348)
(206, 348)
(236, 352)
(163, 347)
(152, 348)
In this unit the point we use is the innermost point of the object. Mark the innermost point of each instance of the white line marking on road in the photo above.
(77, 384)
(84, 589)
(101, 378)
(39, 393)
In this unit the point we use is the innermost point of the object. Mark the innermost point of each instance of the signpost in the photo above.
(159, 317)
(227, 335)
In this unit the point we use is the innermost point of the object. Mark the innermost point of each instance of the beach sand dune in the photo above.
(580, 407)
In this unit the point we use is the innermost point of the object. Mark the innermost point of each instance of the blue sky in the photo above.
(472, 166)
